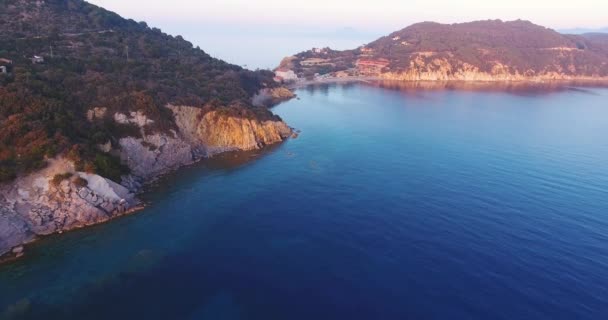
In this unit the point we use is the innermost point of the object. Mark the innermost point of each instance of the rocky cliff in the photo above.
(220, 131)
(427, 68)
(59, 198)
(201, 132)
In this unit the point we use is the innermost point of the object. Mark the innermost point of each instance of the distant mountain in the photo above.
(583, 30)
(89, 57)
(483, 51)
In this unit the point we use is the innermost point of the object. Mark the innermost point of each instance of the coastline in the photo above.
(32, 207)
(12, 255)
(584, 81)
(221, 159)
(20, 251)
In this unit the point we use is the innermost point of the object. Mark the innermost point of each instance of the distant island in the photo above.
(93, 106)
(490, 50)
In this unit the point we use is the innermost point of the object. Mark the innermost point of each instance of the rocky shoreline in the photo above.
(59, 198)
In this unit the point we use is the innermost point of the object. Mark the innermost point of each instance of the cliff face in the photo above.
(201, 133)
(59, 198)
(217, 131)
(243, 134)
(427, 68)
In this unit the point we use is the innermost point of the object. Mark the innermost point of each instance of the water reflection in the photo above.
(514, 88)
(420, 88)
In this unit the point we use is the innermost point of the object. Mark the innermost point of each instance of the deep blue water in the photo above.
(392, 204)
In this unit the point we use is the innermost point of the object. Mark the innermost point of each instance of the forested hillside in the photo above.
(94, 58)
(480, 50)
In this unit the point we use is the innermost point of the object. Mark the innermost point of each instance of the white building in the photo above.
(286, 75)
(4, 63)
(37, 59)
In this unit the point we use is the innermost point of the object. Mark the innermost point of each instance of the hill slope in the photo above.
(95, 58)
(483, 50)
(93, 105)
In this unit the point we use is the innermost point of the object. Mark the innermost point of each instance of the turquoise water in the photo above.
(394, 203)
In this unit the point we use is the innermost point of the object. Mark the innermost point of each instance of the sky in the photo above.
(258, 32)
(365, 14)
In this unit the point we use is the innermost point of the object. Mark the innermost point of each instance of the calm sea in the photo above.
(394, 203)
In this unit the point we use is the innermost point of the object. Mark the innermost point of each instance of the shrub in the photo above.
(80, 182)
(109, 167)
(59, 178)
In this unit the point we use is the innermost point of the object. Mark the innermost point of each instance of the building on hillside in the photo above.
(320, 50)
(285, 75)
(371, 66)
(315, 62)
(37, 59)
(5, 65)
(342, 74)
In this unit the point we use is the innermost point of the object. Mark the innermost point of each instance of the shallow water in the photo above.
(393, 203)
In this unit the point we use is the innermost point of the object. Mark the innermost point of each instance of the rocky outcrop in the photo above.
(220, 133)
(57, 199)
(201, 133)
(213, 132)
(271, 97)
(155, 154)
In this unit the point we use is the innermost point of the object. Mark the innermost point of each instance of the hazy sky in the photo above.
(259, 33)
(375, 14)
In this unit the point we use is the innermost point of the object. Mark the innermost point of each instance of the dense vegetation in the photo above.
(95, 58)
(521, 45)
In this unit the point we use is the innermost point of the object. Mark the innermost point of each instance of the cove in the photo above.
(393, 203)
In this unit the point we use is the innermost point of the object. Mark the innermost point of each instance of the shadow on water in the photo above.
(146, 270)
(186, 294)
(227, 162)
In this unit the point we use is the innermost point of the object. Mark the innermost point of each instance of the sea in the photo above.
(420, 201)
